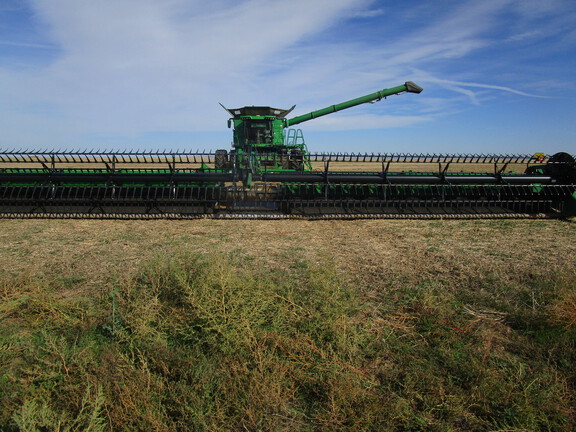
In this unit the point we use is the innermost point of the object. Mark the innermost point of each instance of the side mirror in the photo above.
(229, 123)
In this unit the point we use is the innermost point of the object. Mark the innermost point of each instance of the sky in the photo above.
(113, 75)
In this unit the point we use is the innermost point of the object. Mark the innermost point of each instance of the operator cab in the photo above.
(257, 126)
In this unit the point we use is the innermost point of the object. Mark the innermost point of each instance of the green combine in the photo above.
(269, 173)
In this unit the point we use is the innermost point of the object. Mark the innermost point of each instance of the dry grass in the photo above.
(98, 250)
(419, 167)
(288, 325)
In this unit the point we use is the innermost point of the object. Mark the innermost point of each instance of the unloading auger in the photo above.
(269, 172)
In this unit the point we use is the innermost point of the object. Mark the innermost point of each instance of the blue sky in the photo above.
(498, 75)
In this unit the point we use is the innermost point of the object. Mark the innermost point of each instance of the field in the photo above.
(216, 325)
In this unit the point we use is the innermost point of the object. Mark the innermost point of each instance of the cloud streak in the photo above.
(27, 45)
(463, 87)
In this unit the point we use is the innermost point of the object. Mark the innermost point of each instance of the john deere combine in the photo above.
(269, 172)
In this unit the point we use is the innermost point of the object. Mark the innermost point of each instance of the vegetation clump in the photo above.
(206, 342)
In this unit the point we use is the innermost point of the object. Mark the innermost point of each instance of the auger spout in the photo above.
(407, 87)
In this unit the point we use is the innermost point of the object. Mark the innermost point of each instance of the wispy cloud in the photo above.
(27, 45)
(523, 36)
(371, 13)
(464, 87)
(366, 121)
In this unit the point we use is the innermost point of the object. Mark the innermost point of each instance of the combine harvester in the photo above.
(269, 173)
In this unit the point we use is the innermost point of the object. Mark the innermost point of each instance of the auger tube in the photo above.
(407, 87)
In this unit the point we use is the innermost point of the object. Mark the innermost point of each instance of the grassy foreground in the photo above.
(283, 326)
